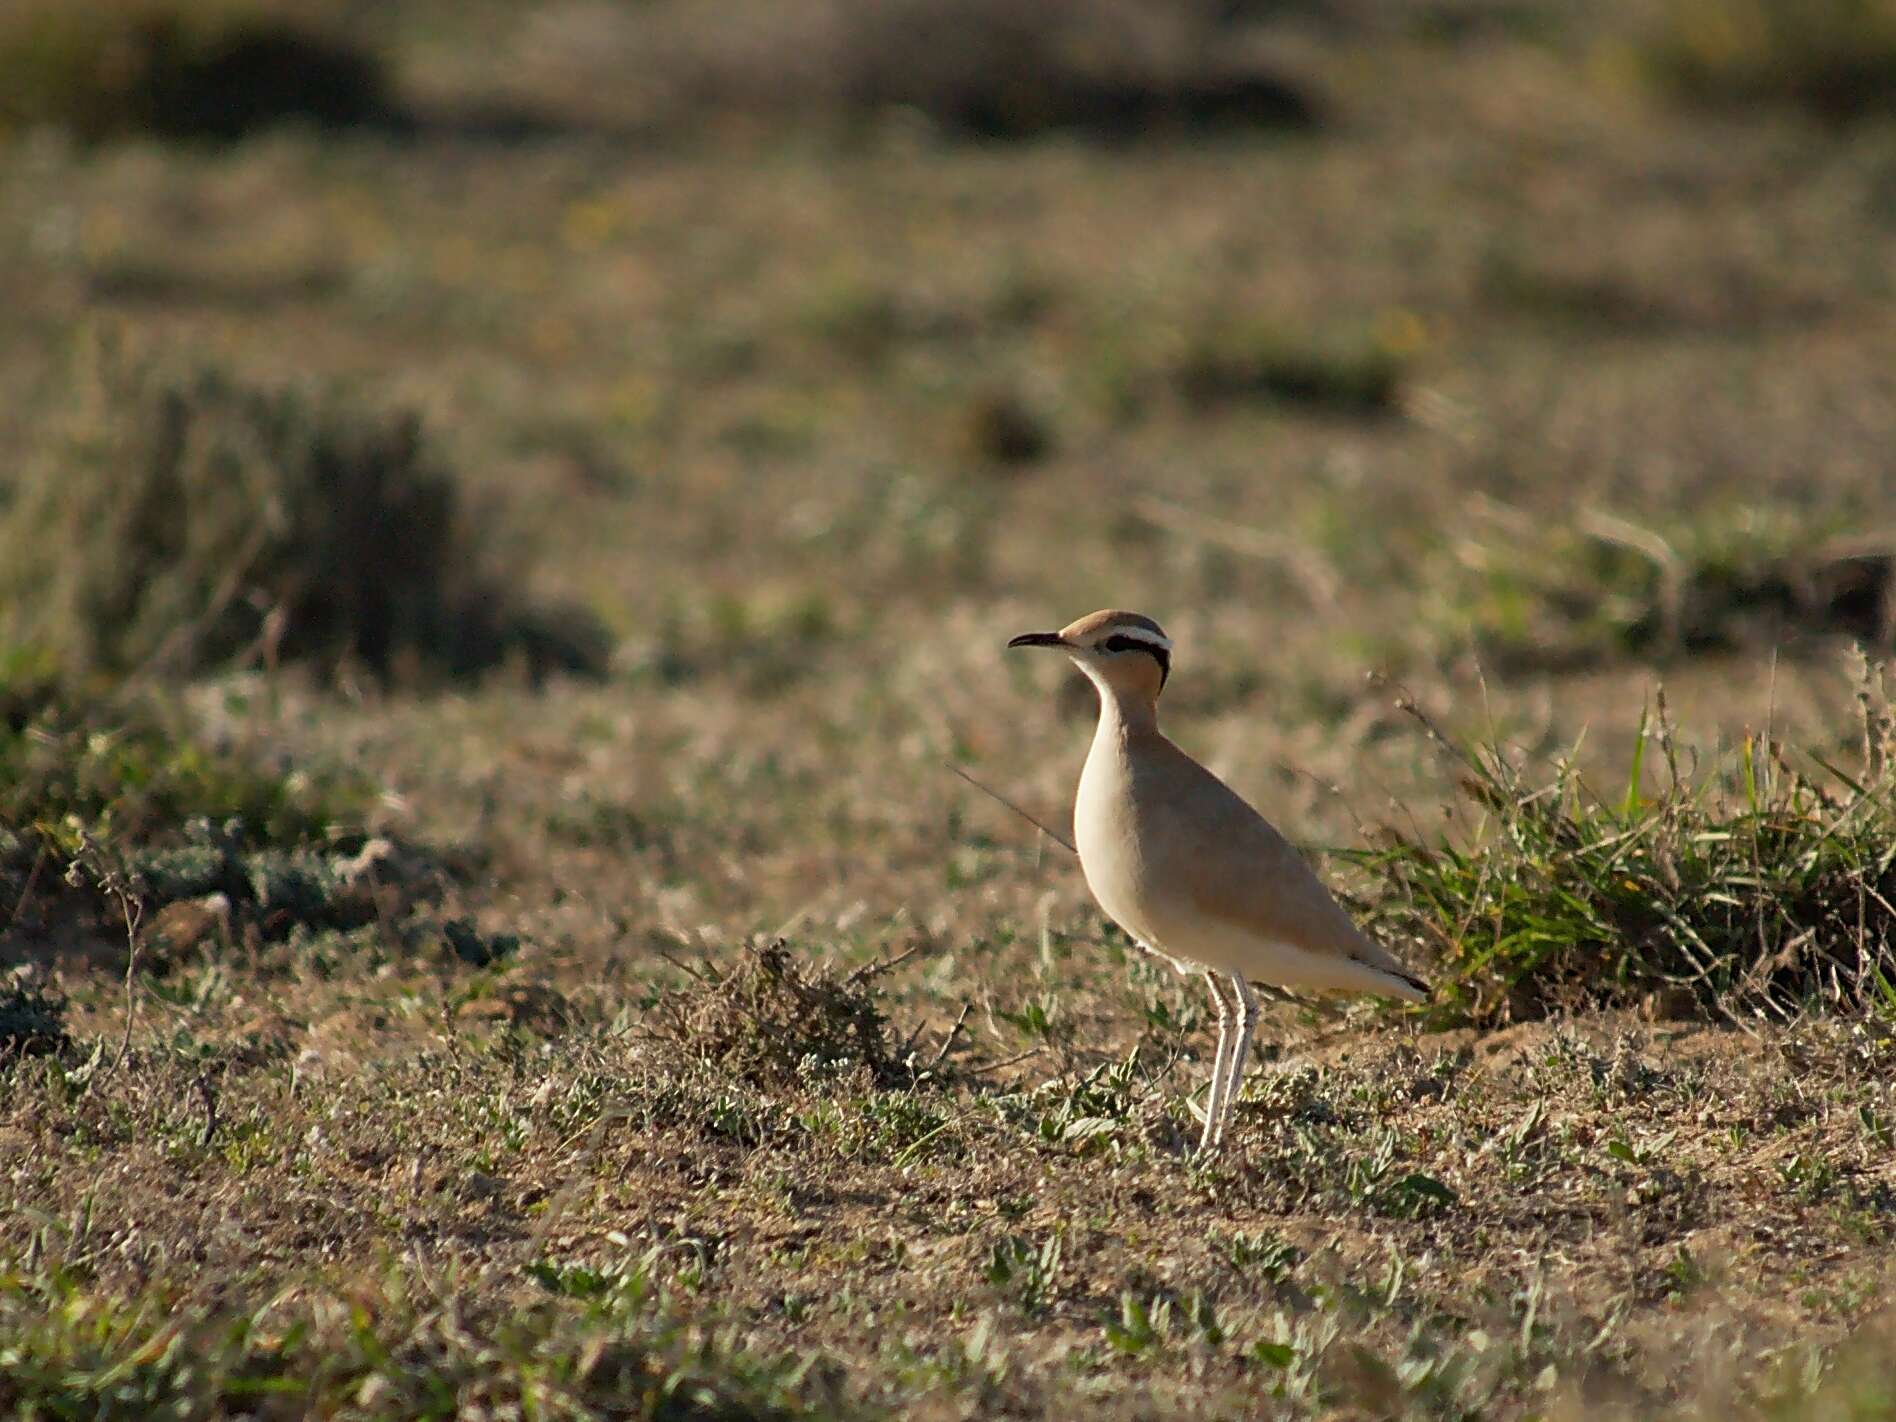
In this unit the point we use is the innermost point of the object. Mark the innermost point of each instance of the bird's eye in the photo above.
(1117, 644)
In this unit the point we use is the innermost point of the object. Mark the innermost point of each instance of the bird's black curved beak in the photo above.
(1037, 639)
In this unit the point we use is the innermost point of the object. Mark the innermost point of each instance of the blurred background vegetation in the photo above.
(1564, 319)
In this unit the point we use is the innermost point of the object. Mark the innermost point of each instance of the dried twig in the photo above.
(208, 1095)
(109, 876)
(32, 878)
(687, 969)
(948, 1042)
(869, 972)
(1407, 704)
(133, 910)
(1005, 1062)
(1037, 823)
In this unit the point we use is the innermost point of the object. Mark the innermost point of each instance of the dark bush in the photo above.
(187, 521)
(981, 68)
(1000, 428)
(1835, 59)
(178, 70)
(1250, 362)
(32, 1020)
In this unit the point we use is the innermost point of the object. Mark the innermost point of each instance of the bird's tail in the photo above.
(1392, 979)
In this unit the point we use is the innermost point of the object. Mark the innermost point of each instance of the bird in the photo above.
(1185, 866)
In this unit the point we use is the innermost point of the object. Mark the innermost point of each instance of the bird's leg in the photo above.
(1214, 1099)
(1240, 1049)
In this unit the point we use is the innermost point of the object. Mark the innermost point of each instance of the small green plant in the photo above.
(134, 778)
(188, 520)
(1268, 1255)
(1025, 1273)
(1140, 1326)
(1762, 887)
(204, 844)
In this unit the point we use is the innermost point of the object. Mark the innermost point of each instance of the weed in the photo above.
(207, 842)
(1267, 1255)
(772, 1021)
(135, 777)
(1140, 1326)
(1025, 1273)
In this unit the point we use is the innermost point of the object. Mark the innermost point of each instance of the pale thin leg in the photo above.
(1215, 1098)
(1240, 1050)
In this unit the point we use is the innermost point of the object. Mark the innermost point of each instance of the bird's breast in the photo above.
(1112, 851)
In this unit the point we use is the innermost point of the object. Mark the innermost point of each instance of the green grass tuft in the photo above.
(91, 799)
(1762, 888)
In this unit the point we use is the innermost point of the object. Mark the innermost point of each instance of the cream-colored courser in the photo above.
(1193, 873)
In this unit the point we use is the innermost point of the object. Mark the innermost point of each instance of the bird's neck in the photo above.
(1126, 715)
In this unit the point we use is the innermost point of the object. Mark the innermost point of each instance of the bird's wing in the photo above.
(1235, 867)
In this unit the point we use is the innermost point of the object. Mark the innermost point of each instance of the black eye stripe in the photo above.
(1118, 643)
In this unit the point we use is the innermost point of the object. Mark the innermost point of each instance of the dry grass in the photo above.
(495, 1152)
(772, 1022)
